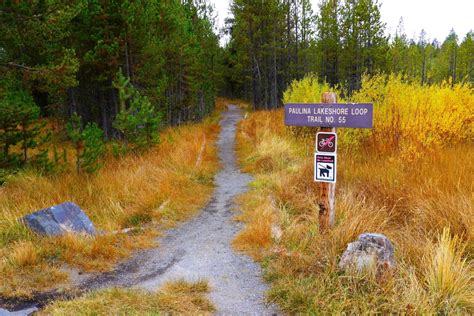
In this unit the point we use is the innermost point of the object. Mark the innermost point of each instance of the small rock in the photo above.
(60, 219)
(369, 250)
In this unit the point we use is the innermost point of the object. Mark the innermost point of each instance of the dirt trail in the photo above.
(201, 247)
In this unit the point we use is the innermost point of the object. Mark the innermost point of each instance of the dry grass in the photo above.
(179, 297)
(425, 210)
(449, 278)
(222, 103)
(167, 184)
(256, 235)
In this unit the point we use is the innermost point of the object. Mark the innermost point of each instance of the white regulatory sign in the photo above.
(325, 168)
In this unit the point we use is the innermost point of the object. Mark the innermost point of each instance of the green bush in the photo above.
(88, 142)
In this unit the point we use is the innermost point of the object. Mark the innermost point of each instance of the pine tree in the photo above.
(329, 38)
(89, 144)
(33, 39)
(137, 120)
(364, 44)
(74, 132)
(398, 58)
(272, 43)
(94, 148)
(465, 65)
(306, 38)
(446, 60)
(19, 123)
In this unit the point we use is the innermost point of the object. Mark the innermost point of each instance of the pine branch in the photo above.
(15, 65)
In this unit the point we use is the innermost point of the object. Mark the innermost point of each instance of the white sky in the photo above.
(436, 17)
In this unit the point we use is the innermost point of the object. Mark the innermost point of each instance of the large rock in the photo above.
(369, 250)
(23, 312)
(60, 219)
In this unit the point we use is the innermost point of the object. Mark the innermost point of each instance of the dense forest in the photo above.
(274, 42)
(116, 64)
(67, 53)
(122, 69)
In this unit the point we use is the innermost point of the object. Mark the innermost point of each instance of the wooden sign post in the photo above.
(328, 115)
(327, 191)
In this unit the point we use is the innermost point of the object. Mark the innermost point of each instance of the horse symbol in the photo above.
(324, 171)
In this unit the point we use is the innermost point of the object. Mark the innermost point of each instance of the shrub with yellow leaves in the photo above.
(410, 119)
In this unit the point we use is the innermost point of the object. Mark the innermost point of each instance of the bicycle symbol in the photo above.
(326, 142)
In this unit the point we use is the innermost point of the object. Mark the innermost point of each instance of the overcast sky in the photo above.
(436, 17)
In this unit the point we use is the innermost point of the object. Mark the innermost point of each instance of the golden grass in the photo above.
(179, 297)
(449, 278)
(413, 203)
(222, 103)
(167, 184)
(24, 254)
(256, 235)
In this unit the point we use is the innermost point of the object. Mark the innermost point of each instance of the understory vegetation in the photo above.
(410, 177)
(179, 297)
(145, 192)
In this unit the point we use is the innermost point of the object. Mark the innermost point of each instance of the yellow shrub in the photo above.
(409, 119)
(306, 90)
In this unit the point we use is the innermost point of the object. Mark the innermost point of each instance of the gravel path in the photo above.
(201, 247)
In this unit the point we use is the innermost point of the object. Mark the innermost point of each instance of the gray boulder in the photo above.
(369, 250)
(60, 219)
(24, 312)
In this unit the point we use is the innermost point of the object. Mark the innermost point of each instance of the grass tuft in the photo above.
(24, 254)
(179, 297)
(449, 278)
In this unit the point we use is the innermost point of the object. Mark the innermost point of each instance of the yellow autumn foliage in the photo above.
(410, 119)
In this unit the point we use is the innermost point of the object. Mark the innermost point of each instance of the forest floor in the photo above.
(198, 251)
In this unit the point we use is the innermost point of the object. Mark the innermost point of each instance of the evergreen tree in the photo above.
(465, 65)
(19, 123)
(329, 41)
(137, 120)
(398, 55)
(33, 47)
(89, 144)
(446, 60)
(74, 132)
(272, 43)
(364, 44)
(94, 148)
(69, 52)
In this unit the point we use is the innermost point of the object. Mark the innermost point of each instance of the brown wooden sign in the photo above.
(328, 115)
